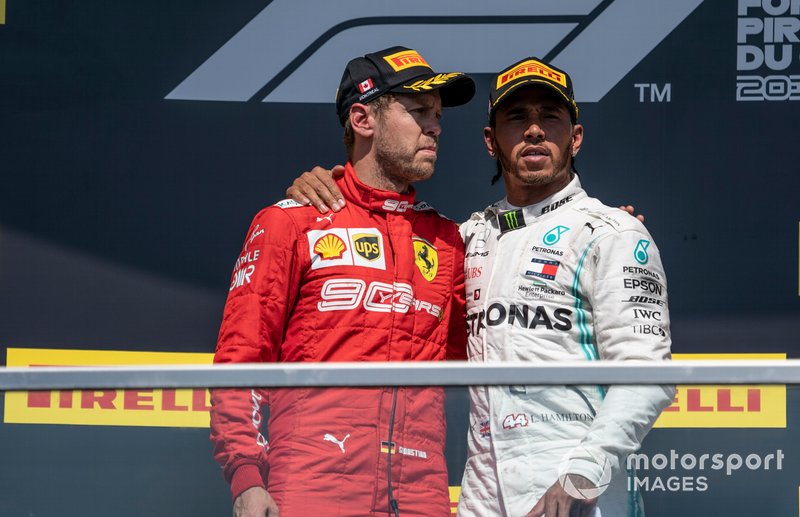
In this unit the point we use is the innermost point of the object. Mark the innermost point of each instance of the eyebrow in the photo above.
(423, 104)
(517, 108)
(544, 106)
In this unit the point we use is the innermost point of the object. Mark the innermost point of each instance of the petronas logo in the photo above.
(554, 235)
(640, 253)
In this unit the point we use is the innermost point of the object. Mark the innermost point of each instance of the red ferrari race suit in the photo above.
(382, 280)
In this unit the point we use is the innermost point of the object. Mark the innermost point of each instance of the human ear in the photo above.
(361, 120)
(488, 140)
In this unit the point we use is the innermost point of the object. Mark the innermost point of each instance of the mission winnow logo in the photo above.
(285, 55)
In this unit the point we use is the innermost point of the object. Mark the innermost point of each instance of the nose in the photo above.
(433, 127)
(534, 132)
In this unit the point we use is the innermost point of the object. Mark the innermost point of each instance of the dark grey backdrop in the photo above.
(121, 213)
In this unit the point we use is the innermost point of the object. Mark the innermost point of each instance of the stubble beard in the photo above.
(534, 180)
(402, 164)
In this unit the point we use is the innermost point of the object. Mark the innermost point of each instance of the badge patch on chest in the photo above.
(543, 268)
(426, 257)
(346, 247)
(366, 245)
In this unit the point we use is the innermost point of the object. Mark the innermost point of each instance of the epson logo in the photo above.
(649, 286)
(285, 55)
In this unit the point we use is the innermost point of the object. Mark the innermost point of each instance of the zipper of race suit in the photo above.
(393, 507)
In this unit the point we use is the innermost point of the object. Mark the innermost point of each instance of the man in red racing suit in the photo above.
(382, 280)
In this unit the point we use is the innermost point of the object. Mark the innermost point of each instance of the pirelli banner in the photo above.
(153, 408)
(739, 406)
(709, 441)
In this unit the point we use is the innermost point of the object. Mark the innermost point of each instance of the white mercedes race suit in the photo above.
(565, 279)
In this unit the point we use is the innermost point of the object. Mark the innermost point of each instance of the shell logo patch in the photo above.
(330, 246)
(426, 257)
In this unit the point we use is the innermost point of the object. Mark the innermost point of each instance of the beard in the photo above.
(512, 167)
(402, 163)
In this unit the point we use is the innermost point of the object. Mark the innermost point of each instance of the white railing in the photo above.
(453, 373)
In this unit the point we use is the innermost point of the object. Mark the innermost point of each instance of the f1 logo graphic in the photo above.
(284, 55)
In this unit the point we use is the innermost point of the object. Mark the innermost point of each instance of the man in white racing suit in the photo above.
(553, 274)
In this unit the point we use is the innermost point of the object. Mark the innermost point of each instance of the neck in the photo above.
(524, 195)
(370, 173)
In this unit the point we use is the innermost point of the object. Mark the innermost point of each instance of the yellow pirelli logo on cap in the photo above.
(531, 68)
(2, 12)
(405, 59)
(138, 407)
(734, 406)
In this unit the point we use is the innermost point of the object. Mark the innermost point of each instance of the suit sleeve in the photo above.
(628, 297)
(457, 332)
(263, 287)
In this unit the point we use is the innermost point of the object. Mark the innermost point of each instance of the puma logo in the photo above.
(328, 218)
(330, 438)
(592, 228)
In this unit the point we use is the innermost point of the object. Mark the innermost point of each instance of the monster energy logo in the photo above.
(511, 220)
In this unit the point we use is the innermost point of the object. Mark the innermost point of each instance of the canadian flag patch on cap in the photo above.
(365, 86)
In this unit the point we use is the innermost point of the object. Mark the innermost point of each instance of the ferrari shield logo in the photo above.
(426, 257)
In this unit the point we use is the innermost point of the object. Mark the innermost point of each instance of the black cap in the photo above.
(532, 71)
(399, 70)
